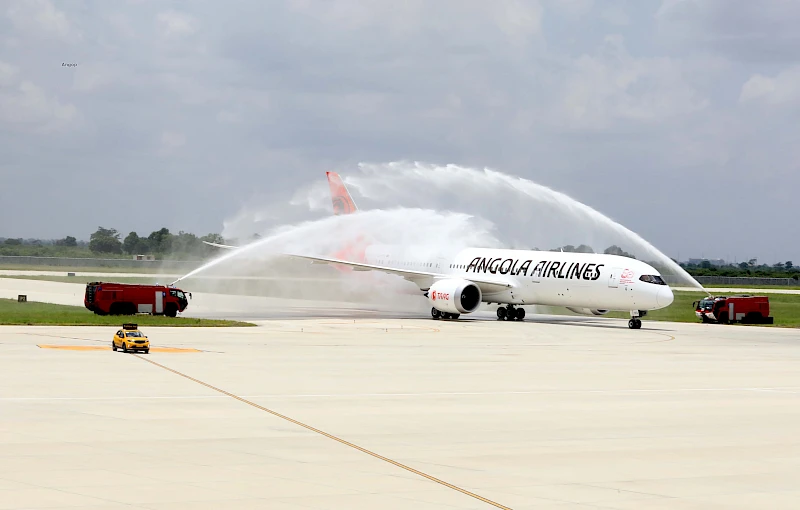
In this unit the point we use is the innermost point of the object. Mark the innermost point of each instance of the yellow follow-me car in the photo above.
(130, 339)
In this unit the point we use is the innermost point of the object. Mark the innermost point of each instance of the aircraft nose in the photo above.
(664, 297)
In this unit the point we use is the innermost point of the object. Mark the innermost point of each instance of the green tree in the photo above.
(13, 242)
(584, 249)
(789, 265)
(131, 243)
(105, 240)
(161, 240)
(616, 250)
(67, 241)
(186, 243)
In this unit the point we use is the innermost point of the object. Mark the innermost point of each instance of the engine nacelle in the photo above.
(455, 296)
(587, 311)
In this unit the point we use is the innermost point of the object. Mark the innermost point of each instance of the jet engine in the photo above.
(587, 311)
(455, 296)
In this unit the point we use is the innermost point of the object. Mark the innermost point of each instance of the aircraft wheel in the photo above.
(455, 315)
(501, 313)
(435, 314)
(632, 324)
(520, 314)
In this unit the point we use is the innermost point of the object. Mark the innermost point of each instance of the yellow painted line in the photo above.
(108, 348)
(329, 436)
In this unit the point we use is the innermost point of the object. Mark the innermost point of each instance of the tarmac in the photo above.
(396, 411)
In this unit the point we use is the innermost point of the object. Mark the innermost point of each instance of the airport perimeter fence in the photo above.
(745, 280)
(734, 281)
(73, 263)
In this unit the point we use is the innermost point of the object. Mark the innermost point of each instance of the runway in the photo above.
(365, 410)
(557, 415)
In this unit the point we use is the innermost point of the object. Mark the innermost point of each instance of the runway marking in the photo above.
(785, 391)
(108, 348)
(329, 436)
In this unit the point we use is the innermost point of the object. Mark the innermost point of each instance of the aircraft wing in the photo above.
(423, 279)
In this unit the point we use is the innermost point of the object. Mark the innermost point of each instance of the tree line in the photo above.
(108, 242)
(159, 242)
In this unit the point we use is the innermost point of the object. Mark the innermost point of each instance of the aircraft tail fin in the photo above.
(342, 201)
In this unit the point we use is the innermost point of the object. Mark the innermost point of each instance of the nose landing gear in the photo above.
(636, 322)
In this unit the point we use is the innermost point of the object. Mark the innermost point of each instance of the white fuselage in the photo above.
(580, 280)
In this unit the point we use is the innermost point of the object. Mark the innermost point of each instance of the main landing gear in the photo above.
(509, 313)
(436, 315)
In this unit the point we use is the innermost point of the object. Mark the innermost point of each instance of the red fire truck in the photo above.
(104, 298)
(743, 309)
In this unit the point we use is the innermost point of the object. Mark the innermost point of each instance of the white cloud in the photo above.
(616, 15)
(748, 31)
(611, 86)
(8, 74)
(175, 23)
(172, 140)
(41, 17)
(783, 89)
(27, 107)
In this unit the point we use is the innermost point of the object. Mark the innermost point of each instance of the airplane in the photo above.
(458, 283)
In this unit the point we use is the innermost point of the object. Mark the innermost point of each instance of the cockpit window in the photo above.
(651, 278)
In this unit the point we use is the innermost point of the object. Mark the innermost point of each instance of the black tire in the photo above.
(124, 347)
(753, 318)
(171, 310)
(146, 351)
(501, 313)
(638, 323)
(520, 314)
(455, 315)
(113, 346)
(632, 324)
(435, 314)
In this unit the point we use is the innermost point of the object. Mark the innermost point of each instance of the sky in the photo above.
(676, 118)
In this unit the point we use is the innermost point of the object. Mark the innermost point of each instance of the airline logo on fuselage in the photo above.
(542, 269)
(439, 295)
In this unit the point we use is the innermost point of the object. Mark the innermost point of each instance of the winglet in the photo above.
(342, 201)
